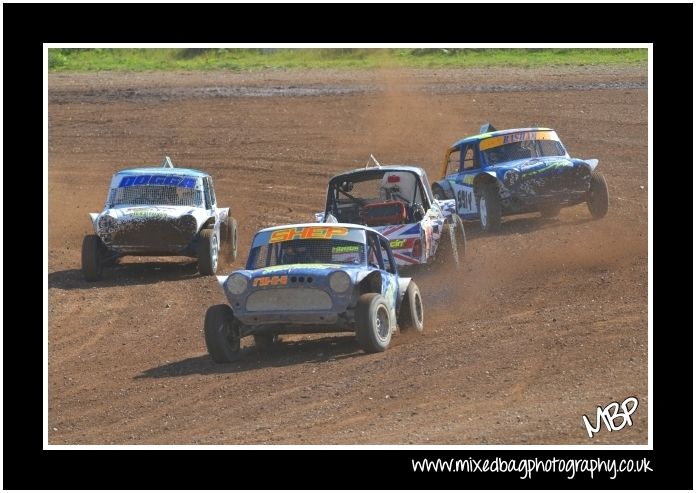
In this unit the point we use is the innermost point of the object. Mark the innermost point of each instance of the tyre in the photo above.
(438, 192)
(233, 240)
(93, 251)
(411, 312)
(490, 211)
(221, 334)
(598, 195)
(453, 242)
(207, 252)
(265, 341)
(373, 323)
(228, 246)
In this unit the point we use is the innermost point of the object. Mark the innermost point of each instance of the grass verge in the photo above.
(141, 59)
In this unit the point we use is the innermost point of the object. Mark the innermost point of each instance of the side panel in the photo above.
(463, 188)
(402, 239)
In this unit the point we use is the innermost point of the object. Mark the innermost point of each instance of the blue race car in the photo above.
(314, 278)
(503, 172)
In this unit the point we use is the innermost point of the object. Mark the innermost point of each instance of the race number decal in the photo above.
(465, 200)
(270, 281)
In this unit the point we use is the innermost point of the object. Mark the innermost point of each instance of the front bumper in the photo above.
(150, 237)
(299, 305)
(566, 186)
(324, 317)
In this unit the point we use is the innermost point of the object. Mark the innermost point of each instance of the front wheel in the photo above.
(411, 312)
(207, 252)
(92, 257)
(373, 323)
(598, 195)
(490, 211)
(221, 334)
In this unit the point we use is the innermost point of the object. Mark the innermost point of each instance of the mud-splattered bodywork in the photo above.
(301, 297)
(158, 211)
(415, 234)
(529, 167)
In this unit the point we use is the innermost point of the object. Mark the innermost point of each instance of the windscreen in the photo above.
(521, 145)
(308, 245)
(155, 195)
(155, 189)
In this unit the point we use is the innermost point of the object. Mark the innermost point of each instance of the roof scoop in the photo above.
(487, 127)
(167, 163)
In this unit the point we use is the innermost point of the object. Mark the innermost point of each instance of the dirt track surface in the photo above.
(547, 321)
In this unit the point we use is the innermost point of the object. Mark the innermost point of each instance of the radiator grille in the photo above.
(288, 299)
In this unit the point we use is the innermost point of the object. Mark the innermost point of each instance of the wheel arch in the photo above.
(403, 286)
(224, 213)
(484, 178)
(93, 219)
(592, 163)
(371, 283)
(209, 223)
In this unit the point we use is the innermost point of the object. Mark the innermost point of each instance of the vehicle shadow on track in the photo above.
(522, 225)
(126, 274)
(285, 353)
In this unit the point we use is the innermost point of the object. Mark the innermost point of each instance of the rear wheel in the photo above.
(207, 252)
(490, 211)
(457, 240)
(93, 252)
(221, 334)
(233, 247)
(598, 195)
(411, 312)
(229, 235)
(373, 323)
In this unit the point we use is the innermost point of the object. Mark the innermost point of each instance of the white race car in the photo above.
(397, 202)
(160, 211)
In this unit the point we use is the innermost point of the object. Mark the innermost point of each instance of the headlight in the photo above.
(339, 281)
(106, 223)
(237, 284)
